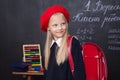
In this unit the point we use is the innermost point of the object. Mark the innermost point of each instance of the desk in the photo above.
(28, 74)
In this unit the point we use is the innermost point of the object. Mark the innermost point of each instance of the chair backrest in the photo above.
(95, 62)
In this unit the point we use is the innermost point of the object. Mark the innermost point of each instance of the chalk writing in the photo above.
(110, 19)
(101, 14)
(102, 10)
(113, 47)
(100, 7)
(113, 39)
(80, 18)
(83, 37)
(88, 6)
(106, 8)
(114, 30)
(85, 33)
(113, 36)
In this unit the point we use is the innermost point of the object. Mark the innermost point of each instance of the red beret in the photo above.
(44, 19)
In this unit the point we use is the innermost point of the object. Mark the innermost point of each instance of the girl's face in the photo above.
(57, 25)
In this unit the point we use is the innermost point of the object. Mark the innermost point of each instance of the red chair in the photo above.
(95, 62)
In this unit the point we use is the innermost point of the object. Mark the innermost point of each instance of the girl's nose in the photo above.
(60, 27)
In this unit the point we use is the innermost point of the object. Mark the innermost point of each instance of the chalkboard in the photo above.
(98, 21)
(95, 21)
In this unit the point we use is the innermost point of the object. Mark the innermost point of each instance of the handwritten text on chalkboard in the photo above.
(109, 12)
(114, 39)
(99, 14)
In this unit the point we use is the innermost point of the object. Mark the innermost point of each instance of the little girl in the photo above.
(55, 21)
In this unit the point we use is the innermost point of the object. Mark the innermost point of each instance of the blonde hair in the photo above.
(62, 51)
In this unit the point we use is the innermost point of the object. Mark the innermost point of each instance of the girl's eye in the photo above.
(63, 24)
(55, 25)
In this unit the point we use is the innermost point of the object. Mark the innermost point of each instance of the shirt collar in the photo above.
(58, 41)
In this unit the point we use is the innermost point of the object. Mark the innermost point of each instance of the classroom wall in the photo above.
(96, 21)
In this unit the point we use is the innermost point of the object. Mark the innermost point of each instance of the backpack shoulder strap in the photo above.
(69, 42)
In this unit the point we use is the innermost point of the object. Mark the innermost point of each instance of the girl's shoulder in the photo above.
(75, 37)
(75, 40)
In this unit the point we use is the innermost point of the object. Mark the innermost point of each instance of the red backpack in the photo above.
(94, 60)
